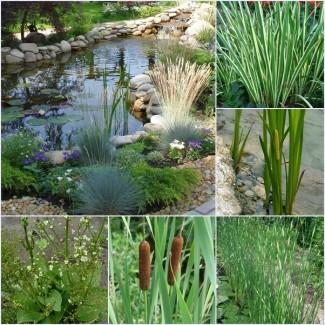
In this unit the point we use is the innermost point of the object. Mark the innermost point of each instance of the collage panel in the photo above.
(162, 270)
(105, 116)
(271, 162)
(54, 270)
(270, 54)
(270, 270)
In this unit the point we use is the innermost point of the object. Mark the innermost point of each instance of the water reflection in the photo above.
(80, 79)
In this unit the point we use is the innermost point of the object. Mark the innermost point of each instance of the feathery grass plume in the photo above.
(144, 265)
(179, 84)
(175, 257)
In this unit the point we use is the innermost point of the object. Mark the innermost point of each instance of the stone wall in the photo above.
(185, 23)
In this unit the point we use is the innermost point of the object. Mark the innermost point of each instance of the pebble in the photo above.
(249, 193)
(30, 206)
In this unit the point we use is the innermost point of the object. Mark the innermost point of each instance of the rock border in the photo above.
(30, 53)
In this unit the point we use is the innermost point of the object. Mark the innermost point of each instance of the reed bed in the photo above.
(269, 273)
(275, 53)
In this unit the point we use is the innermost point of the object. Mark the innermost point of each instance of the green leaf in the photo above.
(64, 119)
(29, 316)
(36, 122)
(42, 243)
(15, 102)
(221, 299)
(11, 114)
(54, 299)
(87, 314)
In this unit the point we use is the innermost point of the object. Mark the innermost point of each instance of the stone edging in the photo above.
(30, 52)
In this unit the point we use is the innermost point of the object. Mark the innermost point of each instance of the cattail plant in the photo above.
(144, 265)
(276, 129)
(175, 257)
(179, 84)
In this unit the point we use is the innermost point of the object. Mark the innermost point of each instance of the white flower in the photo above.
(51, 267)
(68, 190)
(70, 301)
(69, 179)
(66, 262)
(59, 178)
(84, 259)
(61, 274)
(46, 222)
(177, 145)
(29, 267)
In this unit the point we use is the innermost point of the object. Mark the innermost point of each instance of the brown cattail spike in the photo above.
(176, 252)
(144, 265)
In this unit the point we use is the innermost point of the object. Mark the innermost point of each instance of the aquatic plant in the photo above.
(275, 132)
(276, 53)
(106, 190)
(191, 300)
(95, 146)
(179, 85)
(58, 278)
(269, 274)
(238, 141)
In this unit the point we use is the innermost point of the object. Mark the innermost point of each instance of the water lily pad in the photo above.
(64, 119)
(43, 107)
(15, 102)
(37, 122)
(50, 92)
(12, 114)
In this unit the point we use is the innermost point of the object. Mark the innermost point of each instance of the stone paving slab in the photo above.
(207, 208)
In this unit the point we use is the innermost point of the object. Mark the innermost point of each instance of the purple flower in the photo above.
(27, 161)
(206, 130)
(40, 157)
(195, 144)
(46, 148)
(66, 155)
(75, 154)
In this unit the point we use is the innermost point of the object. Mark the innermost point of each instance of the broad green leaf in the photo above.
(29, 316)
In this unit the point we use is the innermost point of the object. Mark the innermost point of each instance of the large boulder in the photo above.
(139, 80)
(35, 37)
(29, 47)
(30, 57)
(153, 128)
(65, 46)
(164, 18)
(15, 56)
(54, 48)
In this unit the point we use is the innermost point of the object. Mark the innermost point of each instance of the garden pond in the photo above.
(310, 195)
(55, 100)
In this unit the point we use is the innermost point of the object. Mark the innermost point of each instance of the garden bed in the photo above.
(104, 121)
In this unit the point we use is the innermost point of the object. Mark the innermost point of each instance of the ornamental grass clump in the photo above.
(276, 52)
(179, 84)
(270, 274)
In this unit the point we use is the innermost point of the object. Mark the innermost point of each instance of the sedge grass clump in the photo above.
(275, 52)
(269, 273)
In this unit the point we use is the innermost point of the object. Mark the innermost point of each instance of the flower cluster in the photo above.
(36, 157)
(73, 155)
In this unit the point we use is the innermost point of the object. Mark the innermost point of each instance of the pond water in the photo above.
(310, 197)
(79, 78)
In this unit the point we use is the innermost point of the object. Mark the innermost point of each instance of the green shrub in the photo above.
(95, 146)
(17, 181)
(164, 186)
(147, 11)
(126, 157)
(155, 157)
(19, 147)
(106, 190)
(62, 183)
